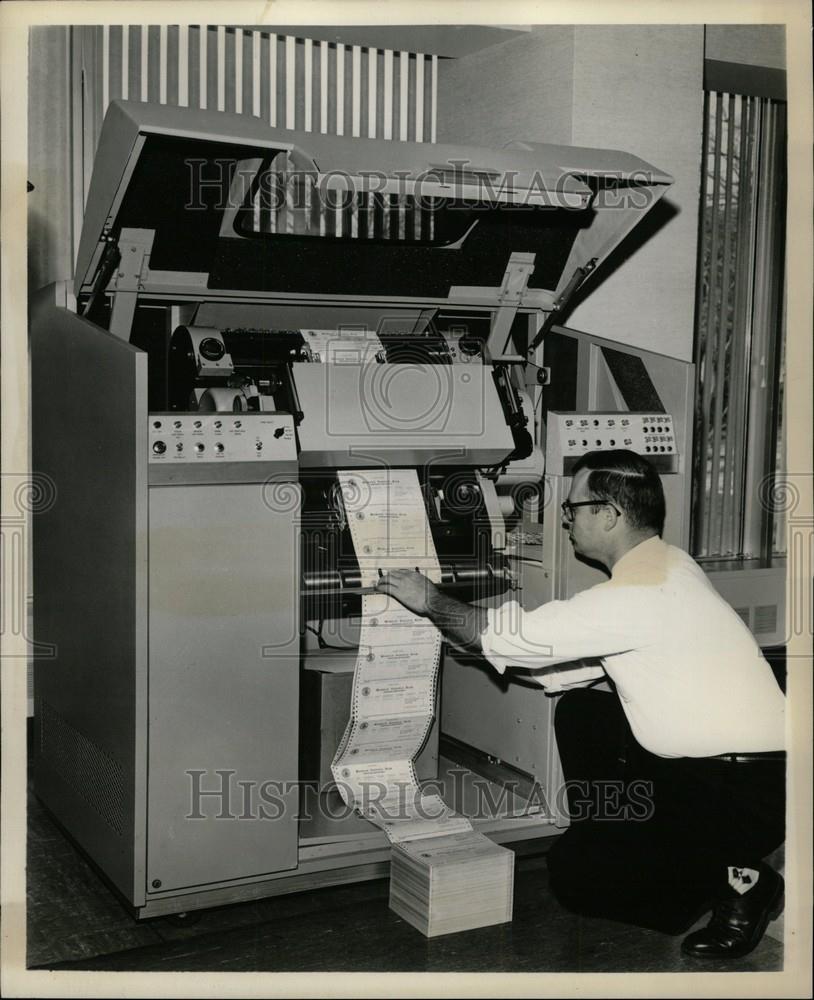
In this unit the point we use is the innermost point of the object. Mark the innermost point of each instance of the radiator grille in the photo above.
(765, 618)
(90, 771)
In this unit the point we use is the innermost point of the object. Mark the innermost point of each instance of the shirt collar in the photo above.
(644, 551)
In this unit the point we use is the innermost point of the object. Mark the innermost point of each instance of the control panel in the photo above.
(569, 435)
(183, 438)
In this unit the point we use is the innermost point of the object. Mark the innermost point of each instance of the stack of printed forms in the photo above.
(450, 883)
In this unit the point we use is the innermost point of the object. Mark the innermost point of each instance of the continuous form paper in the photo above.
(349, 347)
(397, 665)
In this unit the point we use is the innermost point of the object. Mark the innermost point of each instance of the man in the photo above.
(676, 777)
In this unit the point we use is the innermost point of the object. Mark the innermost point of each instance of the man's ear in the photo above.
(611, 518)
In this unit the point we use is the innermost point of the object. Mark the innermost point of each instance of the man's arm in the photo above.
(461, 623)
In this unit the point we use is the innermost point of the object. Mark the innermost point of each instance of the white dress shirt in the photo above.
(691, 678)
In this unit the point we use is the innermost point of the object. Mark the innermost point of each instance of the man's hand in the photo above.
(461, 623)
(410, 588)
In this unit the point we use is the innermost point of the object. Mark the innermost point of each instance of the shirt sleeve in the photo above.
(595, 623)
(569, 677)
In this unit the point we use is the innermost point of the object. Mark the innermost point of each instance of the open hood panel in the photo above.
(237, 205)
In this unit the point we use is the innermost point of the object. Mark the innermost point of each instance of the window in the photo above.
(739, 346)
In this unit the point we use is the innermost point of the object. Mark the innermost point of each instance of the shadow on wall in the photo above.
(655, 220)
(45, 255)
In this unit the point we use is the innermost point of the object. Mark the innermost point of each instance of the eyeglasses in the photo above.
(568, 508)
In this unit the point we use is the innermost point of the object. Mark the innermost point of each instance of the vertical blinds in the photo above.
(739, 323)
(289, 82)
(293, 83)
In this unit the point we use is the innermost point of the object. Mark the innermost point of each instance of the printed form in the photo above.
(396, 673)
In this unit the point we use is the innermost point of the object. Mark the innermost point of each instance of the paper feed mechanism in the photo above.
(231, 376)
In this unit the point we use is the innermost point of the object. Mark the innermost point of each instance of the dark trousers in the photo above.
(651, 837)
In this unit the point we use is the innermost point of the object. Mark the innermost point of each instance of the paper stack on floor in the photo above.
(445, 877)
(452, 883)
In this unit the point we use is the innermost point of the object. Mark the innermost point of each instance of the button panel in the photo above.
(221, 437)
(570, 435)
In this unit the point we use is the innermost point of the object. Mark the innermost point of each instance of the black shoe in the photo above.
(738, 924)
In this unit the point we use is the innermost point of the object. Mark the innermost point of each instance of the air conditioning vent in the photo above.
(744, 613)
(765, 618)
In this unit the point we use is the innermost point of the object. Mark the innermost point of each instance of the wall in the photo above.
(50, 246)
(752, 44)
(641, 89)
(638, 88)
(520, 89)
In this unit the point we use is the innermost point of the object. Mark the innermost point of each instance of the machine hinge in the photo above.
(135, 246)
(515, 282)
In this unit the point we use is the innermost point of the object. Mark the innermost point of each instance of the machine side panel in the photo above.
(506, 719)
(89, 396)
(224, 683)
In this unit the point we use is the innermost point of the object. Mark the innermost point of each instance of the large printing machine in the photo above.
(254, 309)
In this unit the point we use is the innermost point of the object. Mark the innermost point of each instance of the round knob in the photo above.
(197, 423)
(179, 447)
(218, 447)
(219, 423)
(157, 424)
(159, 447)
(177, 423)
(199, 447)
(238, 423)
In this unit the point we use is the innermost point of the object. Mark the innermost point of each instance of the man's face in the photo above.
(585, 531)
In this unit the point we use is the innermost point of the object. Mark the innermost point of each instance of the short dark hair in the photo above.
(630, 482)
